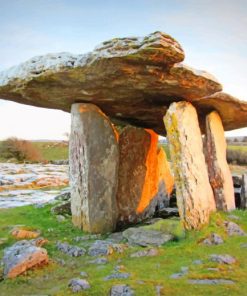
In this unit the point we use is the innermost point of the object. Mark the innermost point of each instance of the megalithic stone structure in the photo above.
(94, 158)
(194, 194)
(219, 172)
(145, 181)
(243, 196)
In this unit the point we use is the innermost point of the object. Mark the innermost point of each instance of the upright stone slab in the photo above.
(145, 181)
(243, 196)
(219, 173)
(194, 194)
(94, 158)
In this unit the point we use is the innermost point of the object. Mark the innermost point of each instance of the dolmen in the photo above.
(121, 97)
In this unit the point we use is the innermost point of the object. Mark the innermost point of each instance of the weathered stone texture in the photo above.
(22, 256)
(194, 194)
(144, 180)
(133, 80)
(243, 195)
(219, 173)
(94, 160)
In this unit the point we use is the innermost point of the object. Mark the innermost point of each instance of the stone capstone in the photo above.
(22, 256)
(133, 80)
(219, 172)
(144, 180)
(94, 158)
(194, 194)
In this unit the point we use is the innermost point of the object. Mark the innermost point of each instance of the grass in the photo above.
(237, 147)
(50, 151)
(152, 271)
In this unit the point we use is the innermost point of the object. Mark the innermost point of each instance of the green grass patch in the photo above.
(146, 273)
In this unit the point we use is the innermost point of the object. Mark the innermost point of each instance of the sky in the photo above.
(212, 32)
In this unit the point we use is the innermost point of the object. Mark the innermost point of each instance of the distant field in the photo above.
(49, 150)
(235, 147)
(52, 151)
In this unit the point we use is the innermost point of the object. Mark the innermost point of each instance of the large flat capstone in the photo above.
(133, 80)
(94, 161)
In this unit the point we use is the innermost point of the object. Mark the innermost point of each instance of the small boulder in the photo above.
(233, 229)
(145, 253)
(62, 208)
(24, 234)
(121, 290)
(22, 256)
(223, 259)
(145, 237)
(78, 285)
(70, 250)
(213, 239)
(63, 196)
(103, 248)
(117, 275)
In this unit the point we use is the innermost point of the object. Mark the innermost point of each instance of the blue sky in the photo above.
(212, 33)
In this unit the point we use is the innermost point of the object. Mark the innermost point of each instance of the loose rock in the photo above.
(233, 229)
(223, 259)
(211, 282)
(62, 209)
(213, 239)
(121, 290)
(144, 237)
(145, 253)
(70, 250)
(117, 275)
(78, 285)
(22, 256)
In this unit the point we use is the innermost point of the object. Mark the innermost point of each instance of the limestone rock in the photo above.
(213, 239)
(62, 208)
(243, 195)
(117, 275)
(24, 234)
(78, 285)
(223, 259)
(22, 256)
(194, 194)
(94, 160)
(144, 181)
(73, 251)
(211, 282)
(145, 253)
(233, 229)
(133, 80)
(232, 111)
(146, 237)
(219, 172)
(121, 290)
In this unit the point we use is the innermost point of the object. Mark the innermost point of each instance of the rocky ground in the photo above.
(43, 254)
(25, 184)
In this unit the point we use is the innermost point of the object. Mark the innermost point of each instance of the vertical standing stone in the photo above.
(219, 173)
(243, 196)
(145, 181)
(94, 161)
(194, 194)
